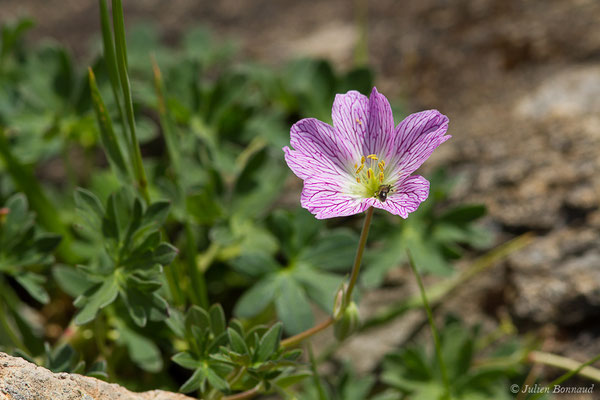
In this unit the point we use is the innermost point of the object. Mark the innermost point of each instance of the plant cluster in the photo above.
(148, 228)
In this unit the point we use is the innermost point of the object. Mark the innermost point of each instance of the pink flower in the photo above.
(363, 161)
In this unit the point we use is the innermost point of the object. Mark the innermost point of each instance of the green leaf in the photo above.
(89, 203)
(142, 350)
(33, 284)
(255, 264)
(195, 382)
(289, 380)
(334, 251)
(204, 208)
(135, 306)
(257, 298)
(269, 343)
(47, 243)
(156, 214)
(293, 307)
(217, 319)
(164, 254)
(186, 360)
(216, 380)
(109, 140)
(100, 296)
(236, 342)
(60, 359)
(73, 281)
(197, 317)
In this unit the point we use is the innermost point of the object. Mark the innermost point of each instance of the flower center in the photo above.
(370, 174)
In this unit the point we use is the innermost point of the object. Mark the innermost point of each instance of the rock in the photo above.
(22, 380)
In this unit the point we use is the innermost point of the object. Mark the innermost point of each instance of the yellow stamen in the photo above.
(357, 179)
(372, 157)
(360, 168)
(362, 160)
(369, 173)
(381, 165)
(355, 166)
(381, 177)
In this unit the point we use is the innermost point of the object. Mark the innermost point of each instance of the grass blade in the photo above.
(107, 135)
(111, 63)
(121, 56)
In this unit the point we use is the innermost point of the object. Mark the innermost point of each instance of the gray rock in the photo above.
(22, 380)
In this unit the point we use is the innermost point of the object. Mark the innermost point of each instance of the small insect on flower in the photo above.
(362, 160)
(383, 192)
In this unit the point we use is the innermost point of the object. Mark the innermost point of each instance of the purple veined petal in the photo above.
(316, 139)
(326, 199)
(380, 125)
(305, 166)
(407, 197)
(350, 121)
(415, 139)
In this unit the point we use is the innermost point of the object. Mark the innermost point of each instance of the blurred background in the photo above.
(520, 82)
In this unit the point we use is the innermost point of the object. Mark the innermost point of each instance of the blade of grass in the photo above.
(107, 134)
(443, 289)
(434, 331)
(566, 376)
(121, 57)
(111, 64)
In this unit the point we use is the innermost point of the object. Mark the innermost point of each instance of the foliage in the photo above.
(412, 371)
(142, 192)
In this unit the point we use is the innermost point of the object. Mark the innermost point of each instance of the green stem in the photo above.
(559, 362)
(359, 254)
(248, 394)
(198, 292)
(434, 332)
(296, 339)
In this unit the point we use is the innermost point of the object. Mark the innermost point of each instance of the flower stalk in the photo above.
(359, 254)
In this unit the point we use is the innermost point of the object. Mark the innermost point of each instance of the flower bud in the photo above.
(338, 304)
(348, 322)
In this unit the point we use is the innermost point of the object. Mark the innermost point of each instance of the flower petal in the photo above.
(380, 125)
(415, 139)
(325, 199)
(320, 150)
(350, 121)
(407, 197)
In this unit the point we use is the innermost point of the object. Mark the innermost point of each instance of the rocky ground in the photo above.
(21, 380)
(520, 81)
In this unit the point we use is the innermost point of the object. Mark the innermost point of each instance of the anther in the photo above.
(381, 165)
(369, 173)
(360, 168)
(355, 166)
(362, 160)
(357, 179)
(381, 177)
(372, 157)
